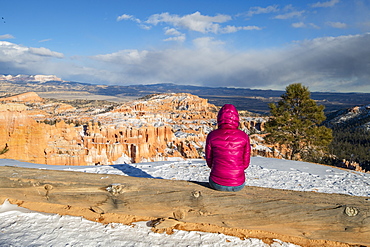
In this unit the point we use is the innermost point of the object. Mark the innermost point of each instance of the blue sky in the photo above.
(324, 45)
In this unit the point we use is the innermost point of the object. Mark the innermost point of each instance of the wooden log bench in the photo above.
(303, 218)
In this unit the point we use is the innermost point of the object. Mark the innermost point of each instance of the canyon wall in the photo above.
(155, 128)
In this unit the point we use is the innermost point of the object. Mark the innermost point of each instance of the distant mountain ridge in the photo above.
(356, 117)
(253, 100)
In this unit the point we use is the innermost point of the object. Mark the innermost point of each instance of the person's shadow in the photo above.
(204, 184)
(133, 171)
(137, 172)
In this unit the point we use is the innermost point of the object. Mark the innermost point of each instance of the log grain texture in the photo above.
(304, 218)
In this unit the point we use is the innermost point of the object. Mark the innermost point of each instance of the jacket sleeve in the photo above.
(209, 155)
(247, 153)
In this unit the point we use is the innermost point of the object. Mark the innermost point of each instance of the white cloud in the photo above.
(233, 29)
(21, 53)
(180, 38)
(198, 22)
(289, 15)
(7, 36)
(250, 28)
(299, 25)
(259, 10)
(12, 52)
(125, 17)
(44, 40)
(18, 59)
(208, 43)
(327, 4)
(337, 24)
(42, 51)
(146, 27)
(171, 31)
(304, 25)
(124, 56)
(289, 11)
(194, 22)
(313, 25)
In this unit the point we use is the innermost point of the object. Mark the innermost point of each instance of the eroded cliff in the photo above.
(154, 128)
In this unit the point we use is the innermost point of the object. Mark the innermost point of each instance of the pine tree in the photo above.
(295, 121)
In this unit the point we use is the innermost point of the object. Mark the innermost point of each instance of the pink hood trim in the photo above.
(228, 115)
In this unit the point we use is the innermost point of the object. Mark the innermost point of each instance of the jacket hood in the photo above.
(228, 116)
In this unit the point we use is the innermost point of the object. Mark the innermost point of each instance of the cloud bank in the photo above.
(331, 63)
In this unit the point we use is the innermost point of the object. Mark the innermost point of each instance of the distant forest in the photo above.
(352, 144)
(351, 139)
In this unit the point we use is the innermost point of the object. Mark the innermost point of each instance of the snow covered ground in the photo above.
(21, 227)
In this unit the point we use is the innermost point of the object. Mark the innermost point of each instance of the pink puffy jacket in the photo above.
(228, 149)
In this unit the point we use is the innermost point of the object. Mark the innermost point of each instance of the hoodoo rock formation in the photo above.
(154, 128)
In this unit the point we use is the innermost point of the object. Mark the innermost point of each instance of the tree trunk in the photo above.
(304, 218)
